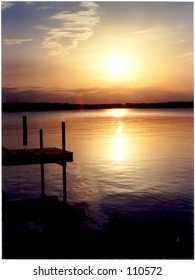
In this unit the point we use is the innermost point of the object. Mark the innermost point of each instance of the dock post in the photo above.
(24, 125)
(42, 167)
(64, 164)
(41, 138)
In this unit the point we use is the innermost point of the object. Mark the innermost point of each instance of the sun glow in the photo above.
(117, 67)
(117, 64)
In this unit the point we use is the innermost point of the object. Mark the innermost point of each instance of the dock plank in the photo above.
(35, 156)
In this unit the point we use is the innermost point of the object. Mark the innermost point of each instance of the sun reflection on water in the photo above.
(118, 112)
(119, 143)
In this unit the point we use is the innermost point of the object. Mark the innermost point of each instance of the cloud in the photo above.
(6, 5)
(14, 41)
(188, 55)
(93, 95)
(72, 27)
(144, 31)
(43, 8)
(42, 27)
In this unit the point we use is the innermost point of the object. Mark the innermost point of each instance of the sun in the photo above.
(117, 67)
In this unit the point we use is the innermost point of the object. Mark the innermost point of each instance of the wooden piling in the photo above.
(25, 135)
(42, 167)
(40, 156)
(63, 137)
(64, 165)
(41, 138)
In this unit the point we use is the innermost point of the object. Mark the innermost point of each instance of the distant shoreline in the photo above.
(47, 106)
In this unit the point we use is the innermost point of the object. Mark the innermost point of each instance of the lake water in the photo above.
(127, 163)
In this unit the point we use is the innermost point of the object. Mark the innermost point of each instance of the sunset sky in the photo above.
(97, 52)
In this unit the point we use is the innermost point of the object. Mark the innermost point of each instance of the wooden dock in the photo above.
(40, 156)
(35, 156)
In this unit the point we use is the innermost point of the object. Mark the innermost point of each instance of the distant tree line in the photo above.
(46, 106)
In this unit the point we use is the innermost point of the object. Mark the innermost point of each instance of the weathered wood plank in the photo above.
(35, 156)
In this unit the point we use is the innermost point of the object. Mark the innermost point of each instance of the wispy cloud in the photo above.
(14, 41)
(43, 8)
(144, 31)
(42, 27)
(94, 95)
(72, 28)
(188, 55)
(6, 5)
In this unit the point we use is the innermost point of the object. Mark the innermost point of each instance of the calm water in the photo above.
(126, 162)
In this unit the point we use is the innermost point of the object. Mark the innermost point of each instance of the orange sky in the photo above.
(97, 52)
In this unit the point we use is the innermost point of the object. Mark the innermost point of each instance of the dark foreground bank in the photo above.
(49, 229)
